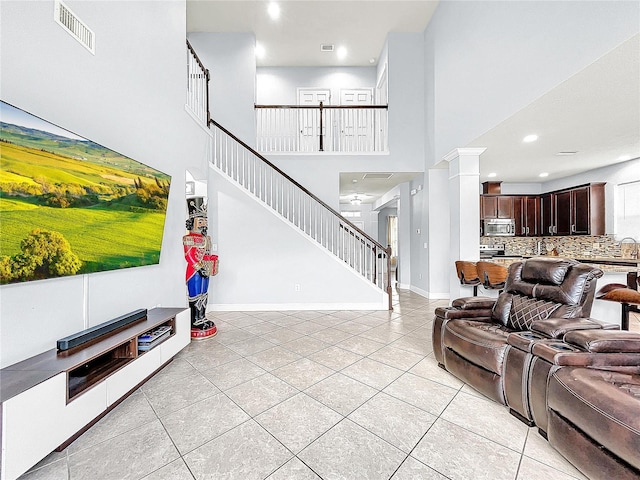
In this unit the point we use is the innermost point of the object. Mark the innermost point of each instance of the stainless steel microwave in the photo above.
(499, 227)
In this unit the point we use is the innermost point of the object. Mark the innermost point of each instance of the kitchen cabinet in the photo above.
(496, 206)
(526, 212)
(563, 205)
(574, 211)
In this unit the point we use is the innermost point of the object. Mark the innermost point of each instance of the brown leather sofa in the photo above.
(470, 337)
(593, 404)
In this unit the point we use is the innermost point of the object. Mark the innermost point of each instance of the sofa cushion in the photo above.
(524, 311)
(481, 343)
(549, 271)
(602, 404)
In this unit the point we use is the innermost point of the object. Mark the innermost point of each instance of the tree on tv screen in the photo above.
(99, 209)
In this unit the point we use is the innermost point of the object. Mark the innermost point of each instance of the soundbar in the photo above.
(94, 332)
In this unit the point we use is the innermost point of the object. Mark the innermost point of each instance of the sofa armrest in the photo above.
(451, 313)
(473, 303)
(602, 361)
(605, 341)
(557, 327)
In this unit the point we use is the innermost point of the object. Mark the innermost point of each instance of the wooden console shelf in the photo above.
(50, 399)
(112, 354)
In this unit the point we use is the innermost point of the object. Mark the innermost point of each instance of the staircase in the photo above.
(290, 200)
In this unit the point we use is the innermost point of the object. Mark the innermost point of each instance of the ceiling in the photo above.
(294, 39)
(368, 187)
(595, 113)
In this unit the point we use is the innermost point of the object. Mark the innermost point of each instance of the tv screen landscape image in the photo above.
(70, 206)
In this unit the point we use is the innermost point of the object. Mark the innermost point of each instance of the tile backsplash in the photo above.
(582, 246)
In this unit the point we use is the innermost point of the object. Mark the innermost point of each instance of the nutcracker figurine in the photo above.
(200, 266)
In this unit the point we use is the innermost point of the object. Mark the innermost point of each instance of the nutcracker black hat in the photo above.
(197, 207)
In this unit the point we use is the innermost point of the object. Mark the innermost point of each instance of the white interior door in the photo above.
(309, 119)
(356, 125)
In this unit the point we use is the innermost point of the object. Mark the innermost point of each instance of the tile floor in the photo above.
(309, 395)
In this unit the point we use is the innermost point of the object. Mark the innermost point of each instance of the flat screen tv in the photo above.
(70, 206)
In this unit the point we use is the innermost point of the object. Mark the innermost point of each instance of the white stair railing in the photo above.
(276, 190)
(197, 86)
(301, 208)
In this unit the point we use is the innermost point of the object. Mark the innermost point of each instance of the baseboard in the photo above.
(430, 295)
(278, 307)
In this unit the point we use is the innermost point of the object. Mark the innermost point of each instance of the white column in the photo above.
(464, 213)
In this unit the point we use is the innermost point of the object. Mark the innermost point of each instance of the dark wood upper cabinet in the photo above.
(573, 211)
(563, 213)
(518, 216)
(547, 220)
(531, 215)
(488, 207)
(505, 207)
(496, 206)
(526, 212)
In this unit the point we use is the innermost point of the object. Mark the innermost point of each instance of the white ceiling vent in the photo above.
(377, 176)
(325, 47)
(76, 27)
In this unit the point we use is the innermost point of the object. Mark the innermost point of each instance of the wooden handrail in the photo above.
(317, 107)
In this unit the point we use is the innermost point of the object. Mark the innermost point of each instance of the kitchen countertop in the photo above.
(606, 264)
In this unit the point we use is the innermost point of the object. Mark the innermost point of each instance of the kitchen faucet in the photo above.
(634, 254)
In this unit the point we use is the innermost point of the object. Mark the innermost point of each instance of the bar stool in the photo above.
(468, 275)
(627, 297)
(492, 275)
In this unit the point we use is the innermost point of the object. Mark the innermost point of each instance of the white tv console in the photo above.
(47, 401)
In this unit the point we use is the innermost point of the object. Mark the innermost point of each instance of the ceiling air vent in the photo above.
(76, 27)
(377, 176)
(325, 47)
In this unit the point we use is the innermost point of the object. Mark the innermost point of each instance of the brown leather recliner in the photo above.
(593, 404)
(470, 337)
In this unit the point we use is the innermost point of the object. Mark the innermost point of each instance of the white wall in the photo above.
(439, 268)
(279, 85)
(406, 98)
(492, 58)
(262, 258)
(419, 235)
(231, 60)
(129, 97)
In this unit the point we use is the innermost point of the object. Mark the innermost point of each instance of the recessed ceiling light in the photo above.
(624, 157)
(372, 60)
(544, 174)
(530, 138)
(342, 52)
(260, 51)
(492, 174)
(273, 10)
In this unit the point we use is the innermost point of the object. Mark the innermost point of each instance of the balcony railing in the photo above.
(197, 86)
(322, 128)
